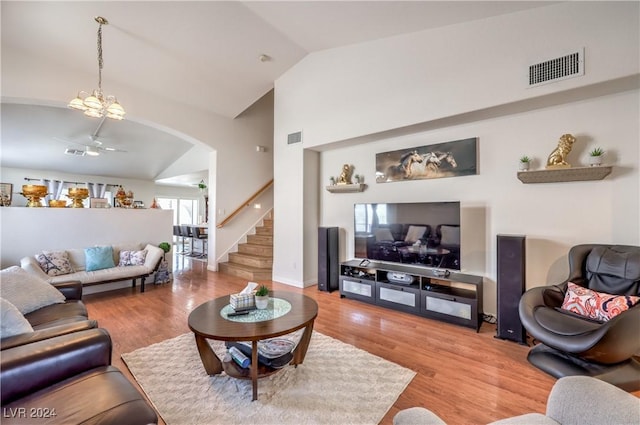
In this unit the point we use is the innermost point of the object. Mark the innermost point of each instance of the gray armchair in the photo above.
(570, 344)
(573, 400)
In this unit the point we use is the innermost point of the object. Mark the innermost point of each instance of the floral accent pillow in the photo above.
(132, 258)
(54, 263)
(596, 305)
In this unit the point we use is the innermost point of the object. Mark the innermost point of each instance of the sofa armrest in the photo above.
(417, 415)
(587, 400)
(42, 334)
(29, 368)
(71, 290)
(31, 265)
(154, 255)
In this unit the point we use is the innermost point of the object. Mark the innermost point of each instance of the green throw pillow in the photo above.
(98, 258)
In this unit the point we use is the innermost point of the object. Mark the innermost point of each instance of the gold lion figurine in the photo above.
(345, 175)
(558, 158)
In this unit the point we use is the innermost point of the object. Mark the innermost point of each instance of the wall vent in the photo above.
(562, 68)
(76, 152)
(294, 138)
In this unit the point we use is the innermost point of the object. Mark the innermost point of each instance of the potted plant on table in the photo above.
(262, 297)
(525, 162)
(595, 157)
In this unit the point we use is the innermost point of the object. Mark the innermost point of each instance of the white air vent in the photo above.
(76, 152)
(561, 68)
(294, 138)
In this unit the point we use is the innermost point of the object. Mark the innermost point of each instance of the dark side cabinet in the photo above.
(328, 262)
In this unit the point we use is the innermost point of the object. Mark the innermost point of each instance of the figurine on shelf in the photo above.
(121, 196)
(345, 175)
(558, 158)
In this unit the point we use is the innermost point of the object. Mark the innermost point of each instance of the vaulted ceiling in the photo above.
(204, 54)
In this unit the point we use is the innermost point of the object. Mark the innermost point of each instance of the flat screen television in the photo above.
(419, 233)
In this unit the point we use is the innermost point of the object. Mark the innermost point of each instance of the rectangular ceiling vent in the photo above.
(294, 138)
(76, 152)
(562, 68)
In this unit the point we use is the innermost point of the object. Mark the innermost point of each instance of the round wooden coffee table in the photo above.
(209, 321)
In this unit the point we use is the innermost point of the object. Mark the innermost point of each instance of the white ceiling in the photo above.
(203, 53)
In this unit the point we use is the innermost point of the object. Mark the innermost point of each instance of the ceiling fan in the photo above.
(93, 147)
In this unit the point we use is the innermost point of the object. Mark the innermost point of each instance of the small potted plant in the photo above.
(595, 157)
(525, 162)
(262, 297)
(165, 246)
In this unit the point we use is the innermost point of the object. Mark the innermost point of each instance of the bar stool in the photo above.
(199, 233)
(178, 235)
(186, 232)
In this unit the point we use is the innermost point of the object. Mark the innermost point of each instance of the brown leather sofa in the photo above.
(56, 319)
(68, 379)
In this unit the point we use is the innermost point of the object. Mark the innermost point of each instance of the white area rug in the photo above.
(337, 384)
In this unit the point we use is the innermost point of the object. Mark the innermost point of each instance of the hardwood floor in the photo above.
(463, 376)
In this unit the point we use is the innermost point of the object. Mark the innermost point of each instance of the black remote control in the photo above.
(238, 313)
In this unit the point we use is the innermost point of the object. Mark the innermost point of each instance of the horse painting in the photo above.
(446, 159)
(434, 161)
(403, 169)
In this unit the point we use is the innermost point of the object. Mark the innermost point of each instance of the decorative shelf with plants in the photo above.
(346, 188)
(565, 174)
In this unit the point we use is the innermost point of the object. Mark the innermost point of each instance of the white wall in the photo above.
(553, 216)
(29, 231)
(469, 81)
(381, 85)
(240, 172)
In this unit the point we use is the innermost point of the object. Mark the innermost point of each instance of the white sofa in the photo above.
(113, 274)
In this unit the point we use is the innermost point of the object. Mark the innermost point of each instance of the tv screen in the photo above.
(422, 233)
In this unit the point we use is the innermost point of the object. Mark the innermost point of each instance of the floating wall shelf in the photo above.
(564, 174)
(345, 188)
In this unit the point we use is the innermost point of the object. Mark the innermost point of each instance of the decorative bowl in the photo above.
(34, 190)
(59, 203)
(78, 192)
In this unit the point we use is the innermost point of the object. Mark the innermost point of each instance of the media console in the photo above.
(439, 294)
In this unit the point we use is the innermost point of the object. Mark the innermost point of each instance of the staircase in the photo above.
(254, 259)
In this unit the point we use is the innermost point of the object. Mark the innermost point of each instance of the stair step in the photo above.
(260, 239)
(245, 272)
(259, 261)
(264, 231)
(248, 248)
(254, 259)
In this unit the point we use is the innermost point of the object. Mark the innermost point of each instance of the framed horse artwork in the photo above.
(447, 159)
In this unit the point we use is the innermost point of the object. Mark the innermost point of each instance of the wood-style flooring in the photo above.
(463, 376)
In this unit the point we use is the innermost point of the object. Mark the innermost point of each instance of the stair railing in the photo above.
(245, 204)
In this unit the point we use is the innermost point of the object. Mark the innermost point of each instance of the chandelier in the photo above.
(97, 104)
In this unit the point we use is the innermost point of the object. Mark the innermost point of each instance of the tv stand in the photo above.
(439, 294)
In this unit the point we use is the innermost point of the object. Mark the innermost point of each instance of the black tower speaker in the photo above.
(511, 286)
(328, 258)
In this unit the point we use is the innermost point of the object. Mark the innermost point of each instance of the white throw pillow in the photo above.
(26, 291)
(54, 263)
(415, 233)
(132, 258)
(12, 322)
